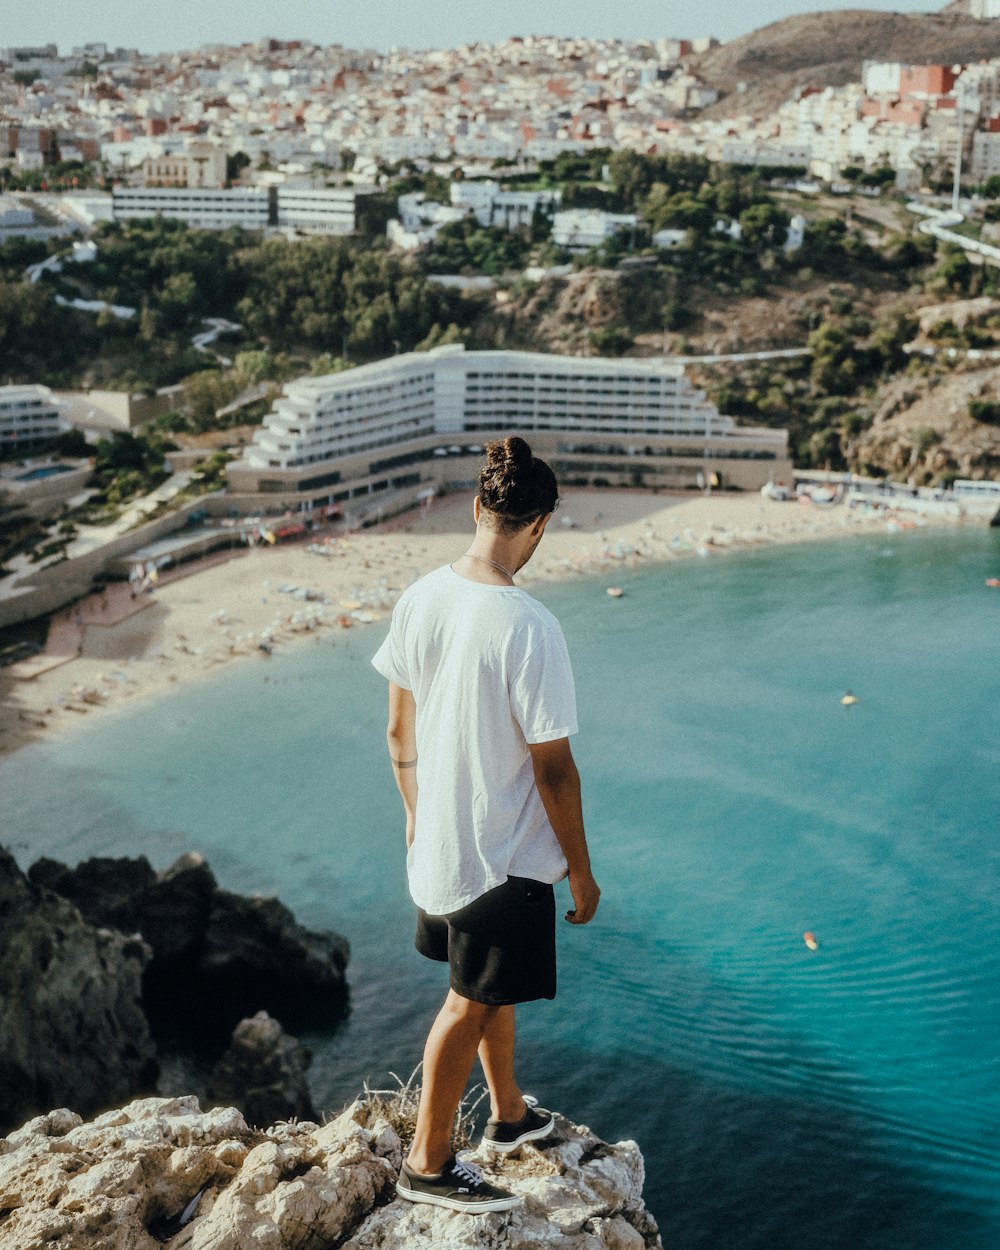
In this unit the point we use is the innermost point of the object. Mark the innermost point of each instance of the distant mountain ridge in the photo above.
(828, 50)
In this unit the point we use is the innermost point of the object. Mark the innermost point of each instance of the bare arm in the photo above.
(558, 783)
(401, 738)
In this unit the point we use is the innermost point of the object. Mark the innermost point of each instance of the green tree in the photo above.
(907, 251)
(825, 450)
(611, 340)
(676, 315)
(667, 210)
(834, 364)
(763, 225)
(440, 336)
(210, 474)
(150, 324)
(985, 410)
(633, 174)
(204, 393)
(890, 335)
(325, 363)
(235, 165)
(72, 444)
(180, 301)
(252, 367)
(126, 465)
(36, 334)
(954, 273)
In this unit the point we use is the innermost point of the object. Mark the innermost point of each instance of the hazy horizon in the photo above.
(188, 24)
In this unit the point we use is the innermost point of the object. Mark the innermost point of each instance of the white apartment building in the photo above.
(419, 220)
(985, 162)
(766, 155)
(881, 77)
(201, 207)
(29, 416)
(978, 88)
(416, 211)
(984, 8)
(397, 426)
(321, 210)
(581, 228)
(505, 209)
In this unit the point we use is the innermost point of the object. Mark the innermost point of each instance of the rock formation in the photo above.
(162, 1173)
(924, 429)
(72, 1028)
(263, 1073)
(217, 956)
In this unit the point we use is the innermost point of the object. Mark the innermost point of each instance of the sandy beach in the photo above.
(114, 649)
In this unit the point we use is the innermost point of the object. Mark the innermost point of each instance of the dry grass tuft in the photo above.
(399, 1109)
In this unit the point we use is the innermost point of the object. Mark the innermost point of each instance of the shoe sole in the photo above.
(505, 1147)
(452, 1204)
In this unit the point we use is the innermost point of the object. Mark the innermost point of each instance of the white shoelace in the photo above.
(466, 1171)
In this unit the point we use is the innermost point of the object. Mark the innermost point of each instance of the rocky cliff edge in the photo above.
(162, 1173)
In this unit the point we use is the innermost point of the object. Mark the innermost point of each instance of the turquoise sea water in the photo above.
(835, 1100)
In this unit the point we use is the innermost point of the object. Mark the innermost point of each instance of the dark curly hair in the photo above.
(515, 487)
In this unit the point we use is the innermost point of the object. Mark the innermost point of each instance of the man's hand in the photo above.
(586, 895)
(558, 783)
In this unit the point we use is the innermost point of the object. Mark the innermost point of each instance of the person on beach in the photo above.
(481, 708)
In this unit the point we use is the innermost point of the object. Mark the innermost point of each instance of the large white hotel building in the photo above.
(30, 417)
(395, 428)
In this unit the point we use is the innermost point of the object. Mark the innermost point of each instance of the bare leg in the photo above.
(449, 1054)
(496, 1054)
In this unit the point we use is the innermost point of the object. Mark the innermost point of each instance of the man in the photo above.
(481, 708)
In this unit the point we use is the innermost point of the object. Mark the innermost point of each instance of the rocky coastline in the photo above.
(93, 963)
(104, 965)
(162, 1173)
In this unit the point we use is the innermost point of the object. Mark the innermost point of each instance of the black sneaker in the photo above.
(504, 1136)
(459, 1186)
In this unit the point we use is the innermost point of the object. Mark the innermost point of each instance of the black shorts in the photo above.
(501, 948)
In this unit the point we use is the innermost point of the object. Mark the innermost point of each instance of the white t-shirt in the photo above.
(490, 673)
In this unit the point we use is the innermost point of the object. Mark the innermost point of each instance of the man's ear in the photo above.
(540, 524)
(476, 509)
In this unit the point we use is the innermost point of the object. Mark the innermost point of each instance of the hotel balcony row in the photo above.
(329, 439)
(735, 460)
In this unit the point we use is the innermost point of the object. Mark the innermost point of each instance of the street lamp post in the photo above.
(964, 99)
(958, 155)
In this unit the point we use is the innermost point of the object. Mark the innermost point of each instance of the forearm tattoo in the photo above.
(404, 763)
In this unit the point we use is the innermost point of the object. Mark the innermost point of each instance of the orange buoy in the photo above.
(810, 940)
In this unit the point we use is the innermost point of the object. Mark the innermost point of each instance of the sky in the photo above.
(171, 25)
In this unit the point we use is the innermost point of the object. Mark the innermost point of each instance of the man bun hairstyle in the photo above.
(515, 487)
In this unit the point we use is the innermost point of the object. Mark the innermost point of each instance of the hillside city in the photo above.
(295, 112)
(250, 281)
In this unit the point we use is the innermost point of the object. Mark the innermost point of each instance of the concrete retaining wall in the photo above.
(38, 593)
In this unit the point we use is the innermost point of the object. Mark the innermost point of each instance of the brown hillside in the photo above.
(828, 49)
(923, 428)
